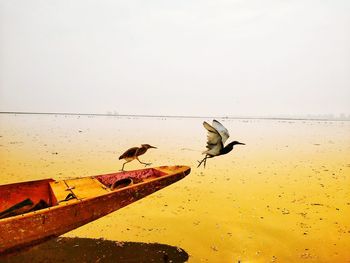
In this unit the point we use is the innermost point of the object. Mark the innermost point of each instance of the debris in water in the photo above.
(285, 211)
(214, 248)
(119, 243)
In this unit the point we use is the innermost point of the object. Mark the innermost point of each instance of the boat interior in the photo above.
(20, 198)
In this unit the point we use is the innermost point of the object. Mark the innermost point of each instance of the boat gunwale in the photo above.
(182, 169)
(33, 181)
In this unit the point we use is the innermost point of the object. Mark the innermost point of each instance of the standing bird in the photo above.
(134, 153)
(217, 136)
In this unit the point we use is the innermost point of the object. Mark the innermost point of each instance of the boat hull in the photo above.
(27, 229)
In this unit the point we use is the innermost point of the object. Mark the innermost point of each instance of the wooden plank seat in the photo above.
(79, 188)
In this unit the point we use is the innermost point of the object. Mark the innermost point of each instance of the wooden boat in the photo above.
(32, 212)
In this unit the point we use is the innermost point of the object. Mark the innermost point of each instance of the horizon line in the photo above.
(177, 116)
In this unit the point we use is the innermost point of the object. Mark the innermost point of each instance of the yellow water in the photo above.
(284, 197)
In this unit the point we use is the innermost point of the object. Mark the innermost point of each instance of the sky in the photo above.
(184, 57)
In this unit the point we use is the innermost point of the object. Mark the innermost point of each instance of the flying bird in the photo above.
(134, 153)
(217, 136)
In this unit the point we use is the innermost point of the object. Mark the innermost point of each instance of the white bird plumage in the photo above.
(216, 138)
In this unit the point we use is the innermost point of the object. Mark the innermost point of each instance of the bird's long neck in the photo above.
(227, 148)
(142, 150)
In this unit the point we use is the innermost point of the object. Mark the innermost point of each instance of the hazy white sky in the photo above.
(183, 57)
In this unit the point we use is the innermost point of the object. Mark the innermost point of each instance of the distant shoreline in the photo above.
(176, 116)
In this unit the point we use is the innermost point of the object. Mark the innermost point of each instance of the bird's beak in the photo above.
(153, 147)
(241, 143)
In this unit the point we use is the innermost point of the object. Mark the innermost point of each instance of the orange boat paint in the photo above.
(74, 202)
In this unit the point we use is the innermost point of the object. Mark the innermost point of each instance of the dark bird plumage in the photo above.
(217, 136)
(134, 152)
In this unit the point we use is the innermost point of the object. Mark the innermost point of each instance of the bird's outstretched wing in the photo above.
(214, 140)
(221, 130)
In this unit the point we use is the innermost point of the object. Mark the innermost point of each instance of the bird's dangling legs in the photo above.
(146, 164)
(123, 167)
(122, 170)
(204, 160)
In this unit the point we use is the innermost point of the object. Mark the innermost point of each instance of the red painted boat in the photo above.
(32, 212)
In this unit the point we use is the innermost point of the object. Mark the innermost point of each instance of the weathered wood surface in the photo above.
(35, 227)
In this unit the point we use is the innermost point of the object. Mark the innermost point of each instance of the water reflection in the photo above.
(97, 250)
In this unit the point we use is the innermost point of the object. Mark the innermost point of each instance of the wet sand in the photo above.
(284, 197)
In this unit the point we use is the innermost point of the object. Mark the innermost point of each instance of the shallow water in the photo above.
(283, 197)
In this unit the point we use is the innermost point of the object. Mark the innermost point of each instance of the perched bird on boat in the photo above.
(217, 136)
(134, 153)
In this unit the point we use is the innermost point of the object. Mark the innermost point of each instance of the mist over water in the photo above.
(182, 58)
